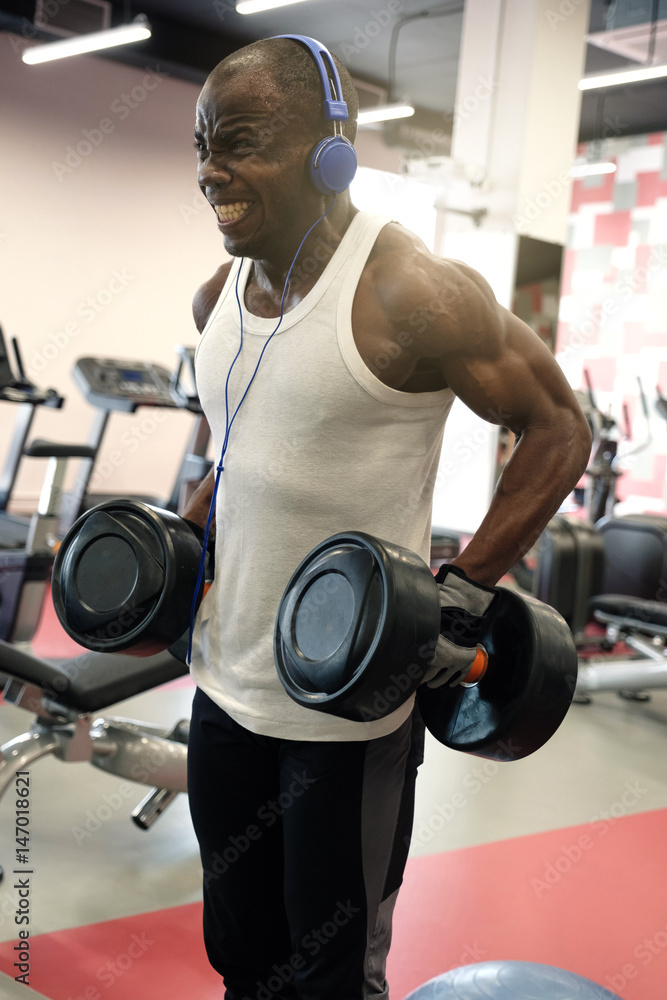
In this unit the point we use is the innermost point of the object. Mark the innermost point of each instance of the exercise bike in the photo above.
(606, 466)
(65, 696)
(635, 552)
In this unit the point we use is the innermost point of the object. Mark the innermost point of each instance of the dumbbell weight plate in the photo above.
(124, 577)
(525, 693)
(356, 627)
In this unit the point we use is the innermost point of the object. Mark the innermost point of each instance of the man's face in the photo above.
(252, 152)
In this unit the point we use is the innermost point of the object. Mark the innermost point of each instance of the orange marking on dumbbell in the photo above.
(478, 668)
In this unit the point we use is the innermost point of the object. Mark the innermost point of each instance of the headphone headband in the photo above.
(334, 110)
(333, 162)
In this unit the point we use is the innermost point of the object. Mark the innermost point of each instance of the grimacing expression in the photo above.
(253, 153)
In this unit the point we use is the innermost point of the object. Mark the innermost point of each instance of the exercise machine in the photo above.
(17, 388)
(606, 465)
(632, 605)
(28, 545)
(65, 697)
(125, 386)
(630, 623)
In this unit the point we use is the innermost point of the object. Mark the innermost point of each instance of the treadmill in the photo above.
(28, 545)
(27, 396)
(124, 386)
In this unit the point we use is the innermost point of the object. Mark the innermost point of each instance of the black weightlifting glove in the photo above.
(463, 607)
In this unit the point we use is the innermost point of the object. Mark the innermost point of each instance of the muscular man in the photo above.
(303, 818)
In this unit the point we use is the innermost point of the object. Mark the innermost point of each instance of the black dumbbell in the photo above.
(124, 578)
(357, 628)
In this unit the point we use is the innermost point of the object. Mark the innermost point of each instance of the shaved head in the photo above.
(293, 71)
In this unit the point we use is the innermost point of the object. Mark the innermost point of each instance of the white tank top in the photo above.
(320, 445)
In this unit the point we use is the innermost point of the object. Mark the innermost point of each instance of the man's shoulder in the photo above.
(404, 275)
(208, 294)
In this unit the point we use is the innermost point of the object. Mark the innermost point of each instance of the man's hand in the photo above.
(464, 605)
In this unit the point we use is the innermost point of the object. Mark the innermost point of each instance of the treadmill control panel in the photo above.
(113, 384)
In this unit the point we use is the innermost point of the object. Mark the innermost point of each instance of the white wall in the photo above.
(128, 208)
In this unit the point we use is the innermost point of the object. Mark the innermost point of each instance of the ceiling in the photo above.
(422, 38)
(394, 49)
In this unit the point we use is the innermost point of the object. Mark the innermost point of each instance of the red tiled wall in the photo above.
(613, 305)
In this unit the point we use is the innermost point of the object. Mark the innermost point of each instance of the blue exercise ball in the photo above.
(510, 981)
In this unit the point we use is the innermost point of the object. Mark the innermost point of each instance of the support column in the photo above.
(515, 131)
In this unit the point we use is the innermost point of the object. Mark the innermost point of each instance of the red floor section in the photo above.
(151, 956)
(589, 899)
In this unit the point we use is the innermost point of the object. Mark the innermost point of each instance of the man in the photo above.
(352, 366)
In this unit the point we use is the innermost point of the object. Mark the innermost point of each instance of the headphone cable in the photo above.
(229, 423)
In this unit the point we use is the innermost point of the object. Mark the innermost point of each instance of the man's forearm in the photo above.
(544, 467)
(198, 506)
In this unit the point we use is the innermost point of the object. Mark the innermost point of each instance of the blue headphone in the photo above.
(333, 162)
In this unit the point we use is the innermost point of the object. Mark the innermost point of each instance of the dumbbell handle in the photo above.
(477, 668)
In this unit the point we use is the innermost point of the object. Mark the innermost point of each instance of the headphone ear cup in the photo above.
(333, 164)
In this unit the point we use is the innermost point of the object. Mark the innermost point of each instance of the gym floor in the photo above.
(556, 859)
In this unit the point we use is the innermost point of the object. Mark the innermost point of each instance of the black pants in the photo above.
(303, 846)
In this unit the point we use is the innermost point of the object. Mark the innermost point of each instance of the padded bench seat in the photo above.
(630, 612)
(92, 681)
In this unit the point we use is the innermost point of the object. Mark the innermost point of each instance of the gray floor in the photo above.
(92, 863)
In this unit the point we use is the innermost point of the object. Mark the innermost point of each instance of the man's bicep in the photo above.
(510, 378)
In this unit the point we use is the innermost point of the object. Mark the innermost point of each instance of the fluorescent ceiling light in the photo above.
(623, 76)
(385, 113)
(591, 169)
(254, 6)
(91, 42)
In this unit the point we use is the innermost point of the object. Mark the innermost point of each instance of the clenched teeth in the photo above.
(231, 212)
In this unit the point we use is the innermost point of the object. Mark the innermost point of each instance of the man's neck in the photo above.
(267, 279)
